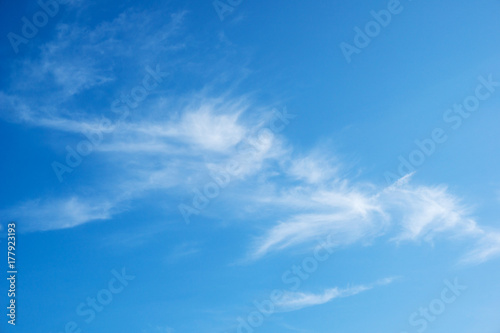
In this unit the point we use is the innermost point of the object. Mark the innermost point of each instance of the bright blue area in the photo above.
(189, 278)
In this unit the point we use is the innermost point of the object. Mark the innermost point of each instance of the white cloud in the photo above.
(209, 131)
(314, 168)
(342, 210)
(207, 126)
(182, 251)
(151, 155)
(292, 301)
(487, 247)
(43, 215)
(345, 226)
(349, 214)
(75, 58)
(203, 136)
(426, 211)
(45, 89)
(173, 143)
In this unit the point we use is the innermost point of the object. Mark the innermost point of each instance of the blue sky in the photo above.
(228, 166)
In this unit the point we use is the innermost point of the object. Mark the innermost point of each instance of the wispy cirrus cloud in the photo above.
(53, 214)
(153, 154)
(206, 125)
(197, 140)
(354, 213)
(486, 248)
(82, 58)
(293, 301)
(175, 139)
(426, 211)
(315, 167)
(202, 137)
(182, 251)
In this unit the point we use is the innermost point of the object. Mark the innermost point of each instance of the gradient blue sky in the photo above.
(322, 175)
